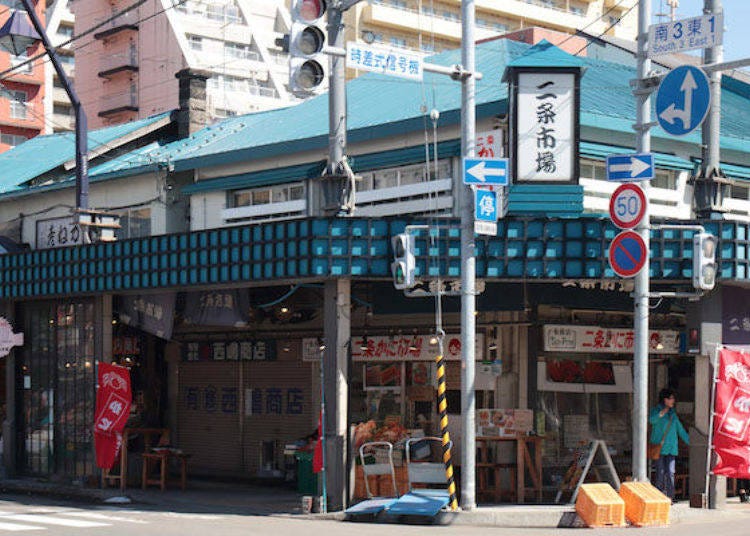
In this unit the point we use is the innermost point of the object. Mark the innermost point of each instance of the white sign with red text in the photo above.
(398, 348)
(594, 339)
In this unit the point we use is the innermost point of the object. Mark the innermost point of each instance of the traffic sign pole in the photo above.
(640, 317)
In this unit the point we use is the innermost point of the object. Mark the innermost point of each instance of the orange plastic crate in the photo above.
(600, 506)
(644, 504)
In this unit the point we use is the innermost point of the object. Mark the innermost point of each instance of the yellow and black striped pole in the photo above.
(444, 434)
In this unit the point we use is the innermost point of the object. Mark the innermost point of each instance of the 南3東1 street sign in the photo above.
(486, 171)
(683, 100)
(627, 254)
(630, 167)
(627, 206)
(686, 34)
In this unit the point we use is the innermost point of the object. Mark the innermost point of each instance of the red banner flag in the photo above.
(113, 398)
(732, 415)
(317, 464)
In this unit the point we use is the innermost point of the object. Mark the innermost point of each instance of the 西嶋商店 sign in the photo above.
(595, 339)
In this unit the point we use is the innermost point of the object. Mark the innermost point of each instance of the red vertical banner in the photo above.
(317, 463)
(731, 440)
(113, 397)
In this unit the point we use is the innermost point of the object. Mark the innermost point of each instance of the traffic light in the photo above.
(704, 261)
(404, 261)
(308, 65)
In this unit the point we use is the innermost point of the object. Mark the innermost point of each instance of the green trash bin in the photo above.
(307, 481)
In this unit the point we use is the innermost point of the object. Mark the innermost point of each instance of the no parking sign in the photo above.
(627, 254)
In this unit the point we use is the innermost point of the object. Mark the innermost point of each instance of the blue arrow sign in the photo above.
(486, 171)
(485, 205)
(629, 167)
(683, 100)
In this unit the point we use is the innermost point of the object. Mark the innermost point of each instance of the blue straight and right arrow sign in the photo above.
(630, 167)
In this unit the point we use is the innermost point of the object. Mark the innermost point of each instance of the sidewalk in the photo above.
(237, 498)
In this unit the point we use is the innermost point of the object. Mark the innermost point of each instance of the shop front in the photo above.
(584, 392)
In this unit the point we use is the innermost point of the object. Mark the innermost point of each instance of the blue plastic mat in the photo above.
(371, 506)
(420, 503)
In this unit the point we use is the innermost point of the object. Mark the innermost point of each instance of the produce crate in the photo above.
(599, 505)
(644, 504)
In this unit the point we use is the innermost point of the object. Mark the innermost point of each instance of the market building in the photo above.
(234, 279)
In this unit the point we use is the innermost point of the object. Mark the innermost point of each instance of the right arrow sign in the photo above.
(683, 100)
(630, 167)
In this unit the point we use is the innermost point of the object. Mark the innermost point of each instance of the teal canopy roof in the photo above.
(43, 154)
(379, 107)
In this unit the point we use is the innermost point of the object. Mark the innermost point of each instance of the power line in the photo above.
(608, 28)
(590, 24)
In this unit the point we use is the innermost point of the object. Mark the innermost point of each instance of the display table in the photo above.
(152, 437)
(525, 446)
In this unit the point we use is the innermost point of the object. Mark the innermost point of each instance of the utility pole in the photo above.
(710, 184)
(468, 261)
(641, 294)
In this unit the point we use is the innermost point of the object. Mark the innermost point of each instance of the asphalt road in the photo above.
(30, 515)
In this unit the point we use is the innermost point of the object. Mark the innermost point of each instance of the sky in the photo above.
(736, 19)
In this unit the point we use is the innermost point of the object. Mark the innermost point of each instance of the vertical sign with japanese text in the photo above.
(546, 127)
(113, 399)
(731, 440)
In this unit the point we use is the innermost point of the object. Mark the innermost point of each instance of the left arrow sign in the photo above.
(486, 171)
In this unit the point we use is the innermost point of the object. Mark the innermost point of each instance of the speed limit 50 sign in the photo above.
(627, 206)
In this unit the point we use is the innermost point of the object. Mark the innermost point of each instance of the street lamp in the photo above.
(16, 36)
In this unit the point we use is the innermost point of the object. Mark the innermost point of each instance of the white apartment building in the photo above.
(126, 65)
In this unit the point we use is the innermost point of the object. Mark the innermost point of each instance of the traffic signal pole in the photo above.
(468, 263)
(641, 294)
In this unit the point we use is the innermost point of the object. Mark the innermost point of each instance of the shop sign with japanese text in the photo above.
(546, 141)
(409, 348)
(58, 232)
(594, 339)
(237, 350)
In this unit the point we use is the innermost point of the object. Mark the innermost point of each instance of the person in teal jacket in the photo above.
(666, 426)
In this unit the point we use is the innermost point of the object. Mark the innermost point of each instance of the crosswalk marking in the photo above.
(49, 520)
(13, 527)
(103, 517)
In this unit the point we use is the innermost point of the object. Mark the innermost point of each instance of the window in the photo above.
(134, 223)
(240, 51)
(66, 59)
(12, 139)
(195, 42)
(664, 178)
(739, 191)
(18, 60)
(215, 12)
(13, 4)
(65, 31)
(223, 112)
(591, 169)
(233, 14)
(18, 103)
(398, 42)
(62, 109)
(402, 176)
(279, 193)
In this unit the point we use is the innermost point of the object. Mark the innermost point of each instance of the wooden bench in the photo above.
(160, 458)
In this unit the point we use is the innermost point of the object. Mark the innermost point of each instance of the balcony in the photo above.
(127, 22)
(119, 102)
(110, 64)
(535, 12)
(410, 20)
